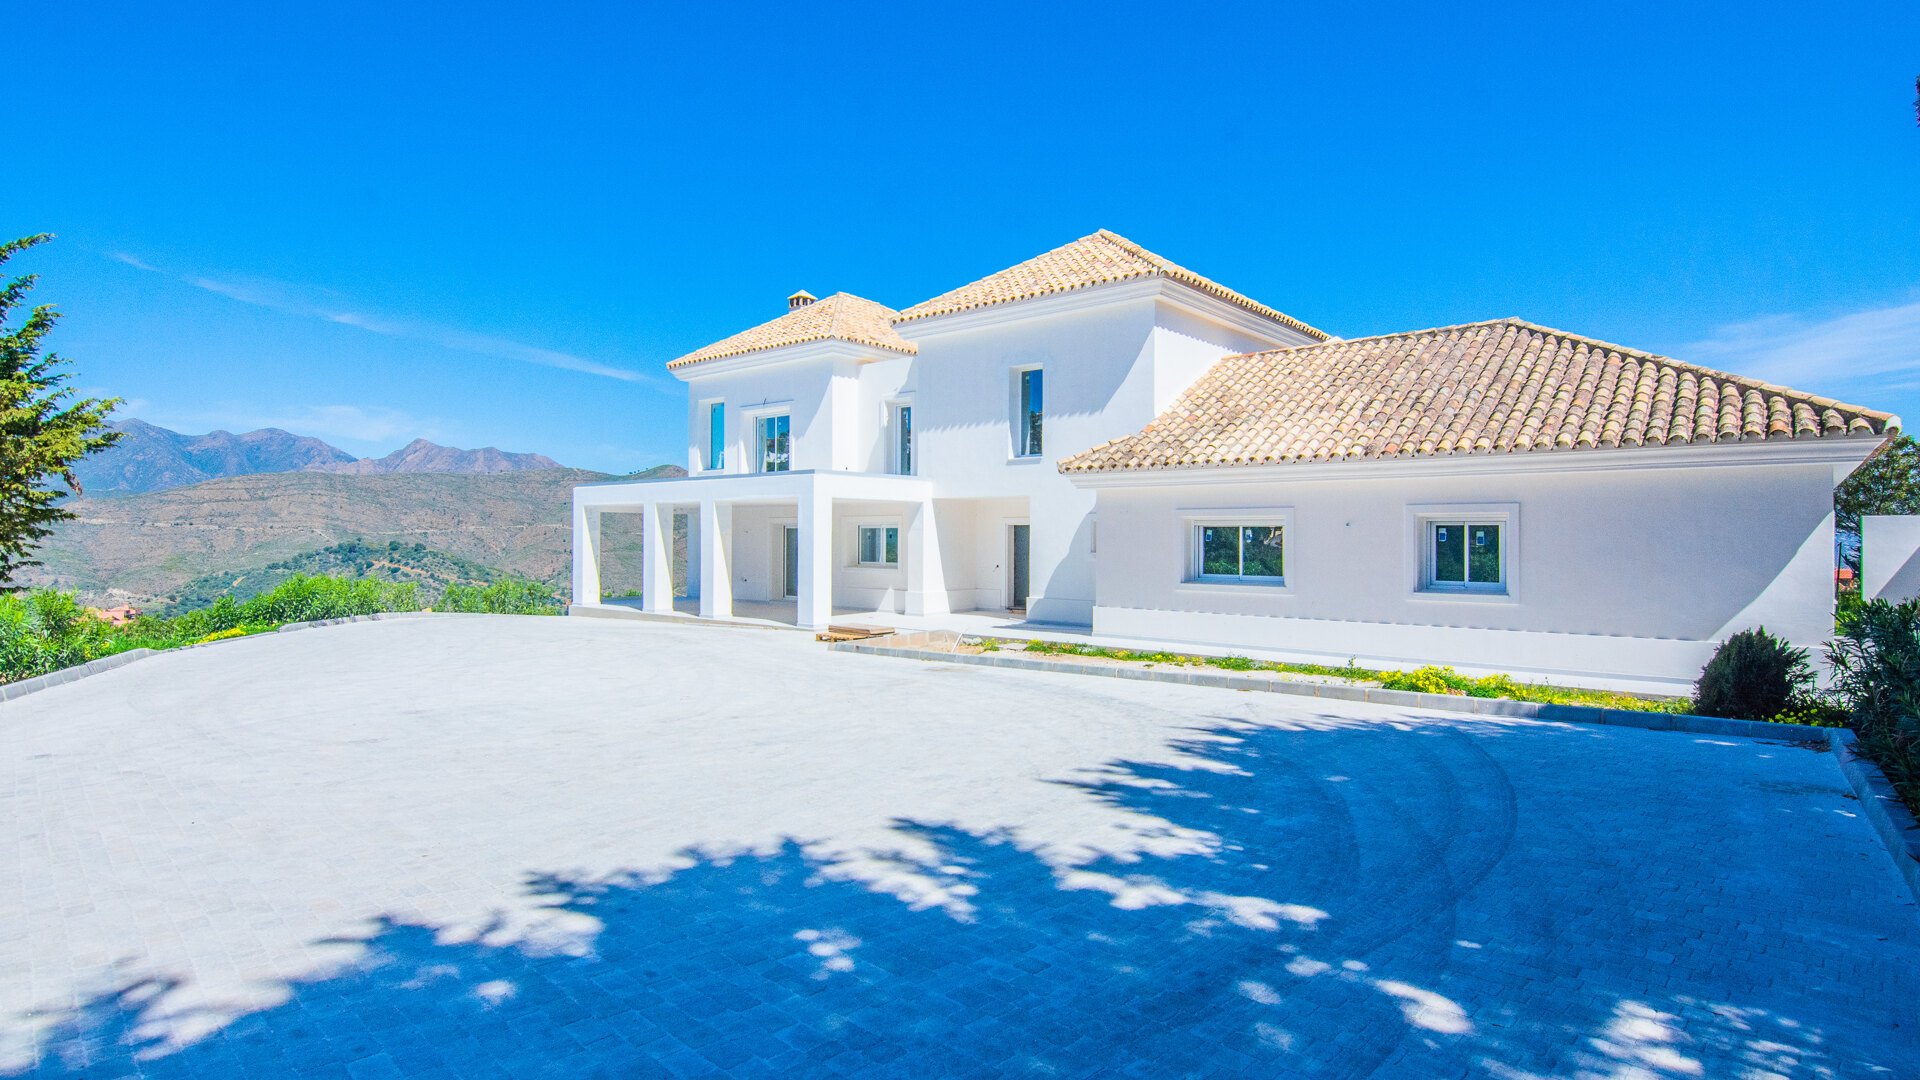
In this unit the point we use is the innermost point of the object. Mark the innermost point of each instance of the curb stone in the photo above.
(13, 690)
(1880, 805)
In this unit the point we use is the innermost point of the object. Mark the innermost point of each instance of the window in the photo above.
(717, 436)
(1466, 555)
(903, 440)
(1027, 423)
(774, 444)
(879, 545)
(1240, 553)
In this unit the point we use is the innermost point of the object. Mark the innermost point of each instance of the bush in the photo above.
(43, 631)
(509, 596)
(1753, 676)
(1876, 673)
(1495, 686)
(1426, 680)
(1232, 663)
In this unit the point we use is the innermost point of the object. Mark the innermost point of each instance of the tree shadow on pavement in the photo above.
(1322, 935)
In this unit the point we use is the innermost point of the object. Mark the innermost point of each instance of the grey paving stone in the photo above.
(512, 847)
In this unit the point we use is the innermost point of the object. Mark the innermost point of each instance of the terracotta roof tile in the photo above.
(840, 317)
(1503, 386)
(1099, 259)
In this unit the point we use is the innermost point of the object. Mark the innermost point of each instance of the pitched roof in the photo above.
(1099, 259)
(840, 317)
(1503, 386)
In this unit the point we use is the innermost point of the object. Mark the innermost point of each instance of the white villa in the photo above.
(1099, 438)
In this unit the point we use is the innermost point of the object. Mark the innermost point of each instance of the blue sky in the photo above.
(369, 223)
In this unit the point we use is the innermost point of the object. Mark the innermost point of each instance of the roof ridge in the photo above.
(832, 319)
(1063, 269)
(1590, 342)
(1494, 386)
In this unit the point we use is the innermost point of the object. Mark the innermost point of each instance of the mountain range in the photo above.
(152, 458)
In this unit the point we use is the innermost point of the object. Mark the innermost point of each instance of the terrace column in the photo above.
(716, 562)
(815, 599)
(926, 581)
(586, 555)
(656, 558)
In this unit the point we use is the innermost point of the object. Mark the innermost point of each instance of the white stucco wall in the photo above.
(1890, 557)
(1615, 576)
(1110, 366)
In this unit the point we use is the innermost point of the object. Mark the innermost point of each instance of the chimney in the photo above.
(800, 299)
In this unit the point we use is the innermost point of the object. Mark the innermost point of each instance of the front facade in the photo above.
(1100, 438)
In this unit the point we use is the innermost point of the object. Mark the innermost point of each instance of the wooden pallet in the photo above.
(852, 633)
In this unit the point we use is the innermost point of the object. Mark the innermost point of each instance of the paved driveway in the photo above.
(496, 846)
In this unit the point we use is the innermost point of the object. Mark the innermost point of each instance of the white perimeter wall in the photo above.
(1890, 557)
(1621, 576)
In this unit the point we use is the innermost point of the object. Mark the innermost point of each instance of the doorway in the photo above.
(1019, 540)
(789, 562)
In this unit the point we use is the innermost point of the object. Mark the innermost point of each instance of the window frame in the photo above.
(860, 529)
(1023, 413)
(1423, 556)
(901, 422)
(716, 434)
(760, 420)
(1192, 522)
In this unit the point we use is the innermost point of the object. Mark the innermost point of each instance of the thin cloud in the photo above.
(333, 423)
(1880, 344)
(352, 423)
(293, 300)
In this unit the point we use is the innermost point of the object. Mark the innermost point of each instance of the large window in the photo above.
(1027, 423)
(903, 440)
(879, 545)
(716, 435)
(1237, 553)
(1466, 555)
(775, 453)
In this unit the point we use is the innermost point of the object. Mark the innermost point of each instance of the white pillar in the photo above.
(656, 558)
(586, 555)
(926, 580)
(716, 563)
(816, 560)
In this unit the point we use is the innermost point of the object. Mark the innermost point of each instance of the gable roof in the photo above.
(1099, 259)
(840, 317)
(1502, 386)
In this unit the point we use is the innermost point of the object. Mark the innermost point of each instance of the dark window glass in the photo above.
(774, 456)
(1219, 549)
(1260, 551)
(1031, 405)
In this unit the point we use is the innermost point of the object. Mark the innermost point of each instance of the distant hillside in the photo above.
(152, 458)
(431, 570)
(421, 456)
(149, 458)
(151, 548)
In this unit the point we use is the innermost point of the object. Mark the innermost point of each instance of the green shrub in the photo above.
(45, 630)
(1876, 673)
(1426, 680)
(1232, 663)
(509, 596)
(1753, 676)
(1495, 686)
(1813, 710)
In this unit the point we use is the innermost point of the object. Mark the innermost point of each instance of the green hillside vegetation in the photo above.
(396, 562)
(44, 630)
(152, 549)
